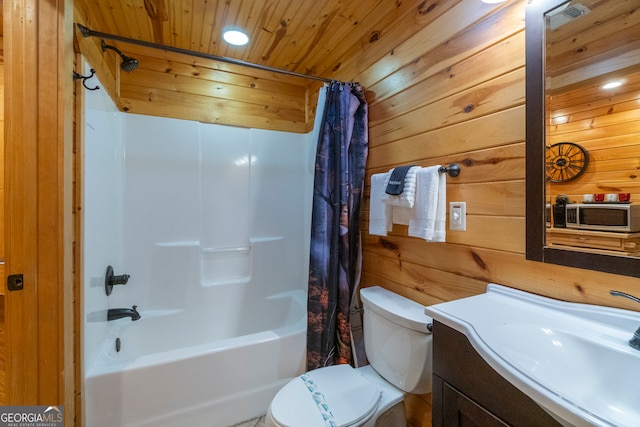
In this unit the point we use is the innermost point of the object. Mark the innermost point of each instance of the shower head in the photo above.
(128, 63)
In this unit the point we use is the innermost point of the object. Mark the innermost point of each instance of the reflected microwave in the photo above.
(604, 217)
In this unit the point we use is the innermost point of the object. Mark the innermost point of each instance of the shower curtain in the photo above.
(335, 229)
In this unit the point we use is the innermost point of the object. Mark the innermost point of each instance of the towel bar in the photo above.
(453, 170)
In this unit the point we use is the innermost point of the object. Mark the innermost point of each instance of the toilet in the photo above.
(398, 344)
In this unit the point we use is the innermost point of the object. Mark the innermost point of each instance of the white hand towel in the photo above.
(440, 233)
(379, 213)
(407, 197)
(401, 215)
(430, 205)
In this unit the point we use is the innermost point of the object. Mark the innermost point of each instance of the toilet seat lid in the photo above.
(337, 394)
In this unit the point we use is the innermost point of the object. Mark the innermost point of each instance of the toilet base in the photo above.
(393, 417)
(391, 411)
(268, 421)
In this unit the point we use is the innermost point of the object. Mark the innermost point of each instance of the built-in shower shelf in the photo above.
(230, 250)
(225, 265)
(179, 244)
(226, 282)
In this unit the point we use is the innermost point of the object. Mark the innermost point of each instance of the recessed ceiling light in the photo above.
(235, 37)
(560, 120)
(612, 85)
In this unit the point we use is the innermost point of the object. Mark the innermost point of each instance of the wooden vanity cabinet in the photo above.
(468, 392)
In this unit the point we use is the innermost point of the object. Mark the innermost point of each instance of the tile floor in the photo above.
(256, 422)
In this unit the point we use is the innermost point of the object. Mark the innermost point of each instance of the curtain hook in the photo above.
(77, 76)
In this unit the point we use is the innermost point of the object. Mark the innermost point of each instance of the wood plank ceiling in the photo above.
(604, 40)
(311, 37)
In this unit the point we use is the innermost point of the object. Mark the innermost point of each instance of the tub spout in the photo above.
(119, 313)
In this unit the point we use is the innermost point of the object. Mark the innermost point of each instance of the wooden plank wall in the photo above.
(455, 92)
(37, 215)
(185, 87)
(1, 167)
(607, 125)
(3, 349)
(78, 246)
(166, 81)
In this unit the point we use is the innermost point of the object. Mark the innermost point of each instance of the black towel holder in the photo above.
(453, 170)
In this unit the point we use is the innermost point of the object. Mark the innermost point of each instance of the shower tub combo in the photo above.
(216, 360)
(212, 224)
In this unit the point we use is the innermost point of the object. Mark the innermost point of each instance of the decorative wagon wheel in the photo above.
(565, 161)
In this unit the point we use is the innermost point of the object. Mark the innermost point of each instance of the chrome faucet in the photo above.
(119, 313)
(635, 340)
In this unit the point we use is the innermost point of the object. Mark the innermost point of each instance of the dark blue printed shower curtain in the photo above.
(335, 224)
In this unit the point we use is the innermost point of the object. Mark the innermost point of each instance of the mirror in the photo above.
(583, 141)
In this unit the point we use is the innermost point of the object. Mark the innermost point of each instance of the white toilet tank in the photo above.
(397, 340)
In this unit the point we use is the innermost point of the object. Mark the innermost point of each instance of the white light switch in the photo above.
(458, 216)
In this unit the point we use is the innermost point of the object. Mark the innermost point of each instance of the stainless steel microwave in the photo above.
(604, 217)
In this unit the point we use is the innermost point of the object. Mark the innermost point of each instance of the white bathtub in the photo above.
(199, 367)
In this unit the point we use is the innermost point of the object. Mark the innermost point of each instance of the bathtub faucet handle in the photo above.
(111, 279)
(120, 280)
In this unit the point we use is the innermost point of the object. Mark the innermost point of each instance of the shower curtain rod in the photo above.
(86, 32)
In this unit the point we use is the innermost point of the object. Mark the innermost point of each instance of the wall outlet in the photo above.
(458, 216)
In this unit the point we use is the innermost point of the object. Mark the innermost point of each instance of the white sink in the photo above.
(572, 359)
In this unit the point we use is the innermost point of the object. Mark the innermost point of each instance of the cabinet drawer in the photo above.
(623, 243)
(460, 411)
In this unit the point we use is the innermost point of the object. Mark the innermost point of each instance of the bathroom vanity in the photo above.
(508, 357)
(467, 391)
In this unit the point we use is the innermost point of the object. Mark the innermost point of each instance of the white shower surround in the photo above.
(212, 223)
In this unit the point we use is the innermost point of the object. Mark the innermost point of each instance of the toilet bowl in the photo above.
(398, 346)
(320, 398)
